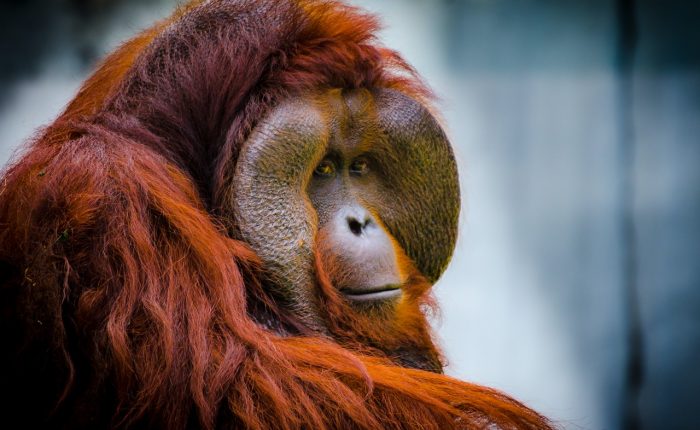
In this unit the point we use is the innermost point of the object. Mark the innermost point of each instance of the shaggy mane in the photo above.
(123, 290)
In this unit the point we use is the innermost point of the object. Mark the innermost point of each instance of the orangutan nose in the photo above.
(356, 226)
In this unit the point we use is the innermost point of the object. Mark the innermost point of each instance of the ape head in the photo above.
(366, 181)
(317, 149)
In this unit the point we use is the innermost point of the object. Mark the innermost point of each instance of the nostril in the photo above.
(355, 226)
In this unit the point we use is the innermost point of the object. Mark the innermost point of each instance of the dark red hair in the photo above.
(125, 296)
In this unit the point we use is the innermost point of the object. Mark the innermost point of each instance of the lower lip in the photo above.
(376, 295)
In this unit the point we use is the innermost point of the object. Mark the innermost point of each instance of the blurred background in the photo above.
(575, 285)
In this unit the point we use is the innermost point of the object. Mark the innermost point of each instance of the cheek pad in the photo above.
(420, 200)
(270, 206)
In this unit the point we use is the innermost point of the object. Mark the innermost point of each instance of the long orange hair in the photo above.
(128, 302)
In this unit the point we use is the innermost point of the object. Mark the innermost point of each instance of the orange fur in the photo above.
(125, 301)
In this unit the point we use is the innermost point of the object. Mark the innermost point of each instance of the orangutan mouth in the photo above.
(383, 292)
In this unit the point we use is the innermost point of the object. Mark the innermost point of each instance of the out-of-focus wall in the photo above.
(48, 49)
(577, 127)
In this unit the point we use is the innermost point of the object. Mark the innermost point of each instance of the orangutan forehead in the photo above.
(357, 119)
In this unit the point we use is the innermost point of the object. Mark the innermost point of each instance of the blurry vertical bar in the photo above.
(626, 46)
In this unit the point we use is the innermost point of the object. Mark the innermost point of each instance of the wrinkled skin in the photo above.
(369, 175)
